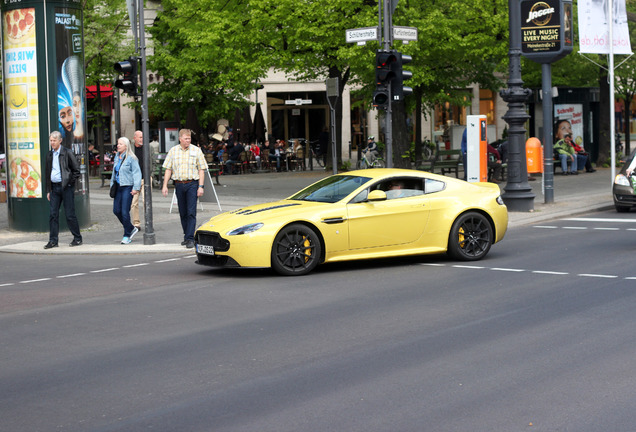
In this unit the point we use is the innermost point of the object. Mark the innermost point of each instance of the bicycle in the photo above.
(318, 157)
(364, 163)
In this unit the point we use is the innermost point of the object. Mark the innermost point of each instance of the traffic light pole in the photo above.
(149, 232)
(388, 125)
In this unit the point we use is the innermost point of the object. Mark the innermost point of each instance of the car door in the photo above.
(396, 221)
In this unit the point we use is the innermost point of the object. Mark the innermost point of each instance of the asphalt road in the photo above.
(538, 336)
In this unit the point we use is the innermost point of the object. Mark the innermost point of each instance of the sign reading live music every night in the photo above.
(546, 29)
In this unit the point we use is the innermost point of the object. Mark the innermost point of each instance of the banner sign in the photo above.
(594, 27)
(21, 104)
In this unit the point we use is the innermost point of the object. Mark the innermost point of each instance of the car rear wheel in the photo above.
(470, 237)
(296, 250)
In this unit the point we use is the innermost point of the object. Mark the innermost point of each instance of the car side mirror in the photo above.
(377, 195)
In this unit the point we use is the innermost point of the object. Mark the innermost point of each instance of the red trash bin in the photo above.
(534, 155)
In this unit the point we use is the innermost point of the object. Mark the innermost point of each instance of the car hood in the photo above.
(272, 211)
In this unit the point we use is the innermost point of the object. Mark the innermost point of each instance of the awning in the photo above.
(106, 91)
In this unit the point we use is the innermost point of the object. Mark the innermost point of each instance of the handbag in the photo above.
(113, 189)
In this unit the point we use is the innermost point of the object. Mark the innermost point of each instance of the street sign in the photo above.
(332, 87)
(298, 102)
(405, 33)
(362, 34)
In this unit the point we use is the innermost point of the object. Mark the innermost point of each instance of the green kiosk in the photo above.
(44, 90)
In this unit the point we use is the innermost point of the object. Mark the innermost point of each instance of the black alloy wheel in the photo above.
(470, 237)
(296, 250)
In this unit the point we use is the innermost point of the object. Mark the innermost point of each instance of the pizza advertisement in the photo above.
(21, 103)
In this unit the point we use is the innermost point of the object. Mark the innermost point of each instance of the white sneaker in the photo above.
(126, 240)
(134, 231)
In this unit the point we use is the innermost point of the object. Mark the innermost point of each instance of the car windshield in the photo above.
(331, 189)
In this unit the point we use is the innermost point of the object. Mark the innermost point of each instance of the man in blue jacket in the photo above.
(62, 170)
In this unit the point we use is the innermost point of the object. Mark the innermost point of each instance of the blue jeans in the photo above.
(564, 162)
(580, 161)
(57, 197)
(187, 201)
(121, 208)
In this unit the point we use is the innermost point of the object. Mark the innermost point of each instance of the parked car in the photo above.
(623, 188)
(365, 214)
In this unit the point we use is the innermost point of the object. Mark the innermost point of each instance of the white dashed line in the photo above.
(507, 269)
(136, 265)
(35, 280)
(6, 284)
(70, 275)
(167, 260)
(606, 229)
(575, 228)
(546, 226)
(468, 267)
(601, 220)
(434, 265)
(597, 275)
(105, 270)
(550, 272)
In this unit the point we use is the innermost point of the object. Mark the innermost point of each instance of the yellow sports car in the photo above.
(375, 213)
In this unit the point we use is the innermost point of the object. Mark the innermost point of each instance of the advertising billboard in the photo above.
(21, 104)
(71, 87)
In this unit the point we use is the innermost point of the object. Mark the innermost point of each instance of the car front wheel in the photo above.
(470, 237)
(296, 250)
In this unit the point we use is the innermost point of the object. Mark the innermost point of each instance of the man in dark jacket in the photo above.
(62, 170)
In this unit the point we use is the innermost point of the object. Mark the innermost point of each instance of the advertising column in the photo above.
(44, 90)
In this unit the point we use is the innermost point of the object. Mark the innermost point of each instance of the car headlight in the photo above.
(246, 229)
(500, 200)
(621, 180)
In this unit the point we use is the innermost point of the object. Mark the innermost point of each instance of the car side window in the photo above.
(401, 187)
(431, 186)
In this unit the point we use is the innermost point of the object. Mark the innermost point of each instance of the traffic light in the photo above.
(398, 90)
(129, 80)
(384, 73)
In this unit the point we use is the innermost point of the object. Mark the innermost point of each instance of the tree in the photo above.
(205, 56)
(105, 42)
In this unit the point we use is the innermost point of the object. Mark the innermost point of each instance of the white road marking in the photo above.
(601, 220)
(168, 260)
(575, 228)
(606, 229)
(507, 269)
(6, 284)
(434, 265)
(546, 226)
(597, 275)
(105, 270)
(136, 265)
(35, 280)
(550, 272)
(70, 275)
(468, 266)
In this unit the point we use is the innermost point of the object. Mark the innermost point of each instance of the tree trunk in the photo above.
(418, 126)
(401, 136)
(604, 119)
(626, 116)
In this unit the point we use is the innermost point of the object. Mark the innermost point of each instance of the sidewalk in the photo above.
(572, 195)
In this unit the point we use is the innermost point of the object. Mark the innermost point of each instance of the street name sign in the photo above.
(361, 35)
(405, 33)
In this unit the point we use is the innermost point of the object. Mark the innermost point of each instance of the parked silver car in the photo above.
(623, 188)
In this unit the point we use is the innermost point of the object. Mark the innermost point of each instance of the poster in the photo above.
(71, 88)
(568, 118)
(21, 104)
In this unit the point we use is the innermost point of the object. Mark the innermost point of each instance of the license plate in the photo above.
(205, 249)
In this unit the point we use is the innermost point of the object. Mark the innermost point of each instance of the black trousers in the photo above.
(59, 196)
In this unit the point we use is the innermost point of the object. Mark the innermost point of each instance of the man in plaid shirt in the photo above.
(186, 165)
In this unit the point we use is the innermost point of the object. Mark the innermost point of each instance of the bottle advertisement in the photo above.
(71, 88)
